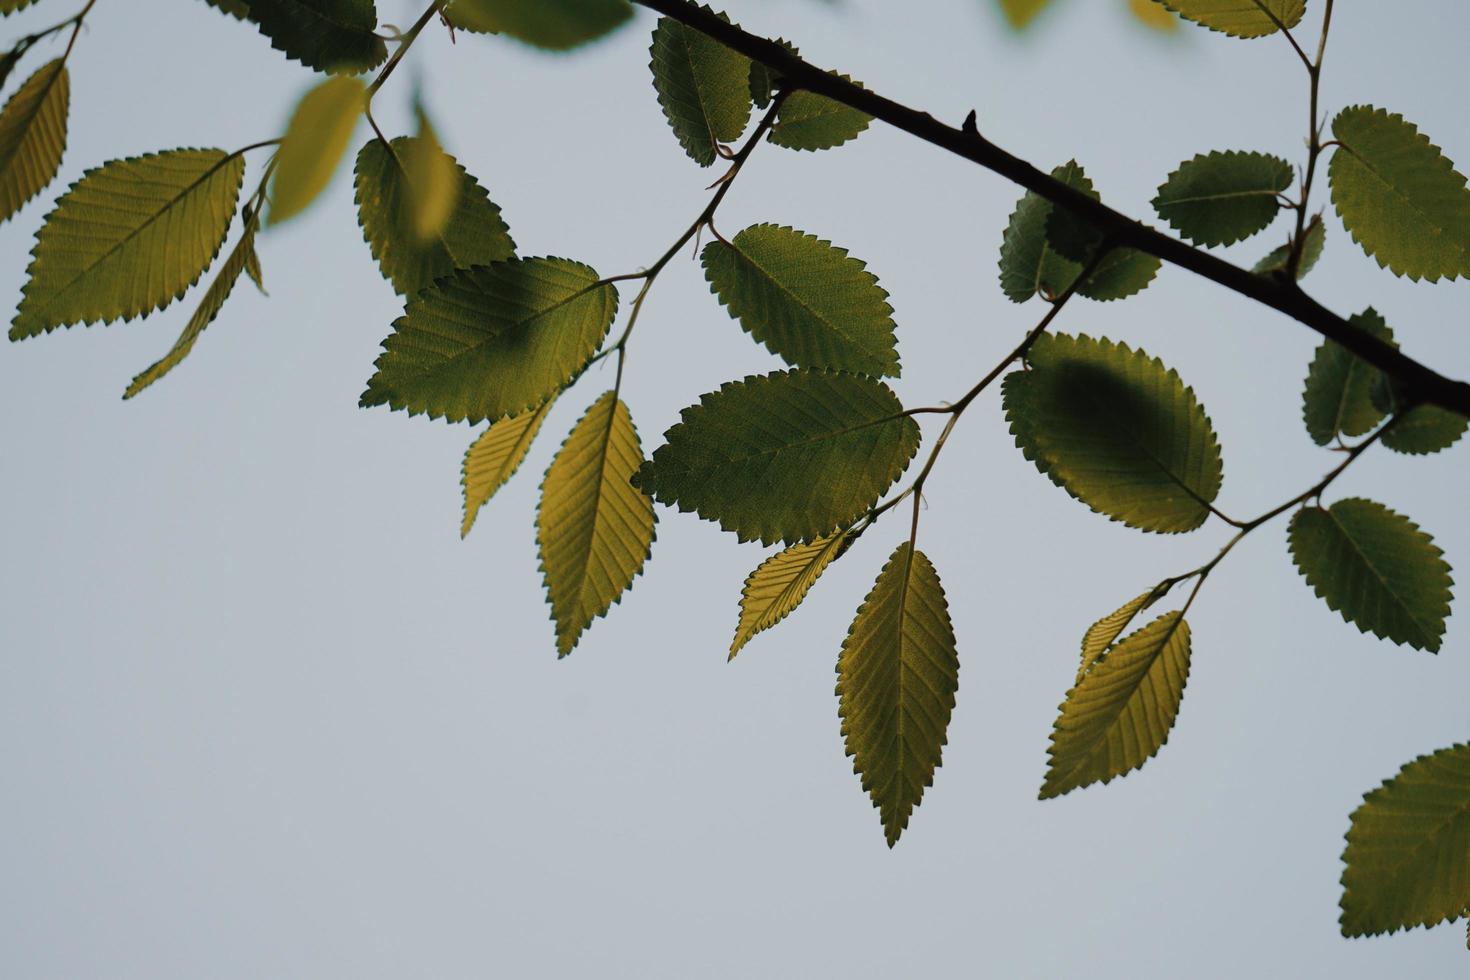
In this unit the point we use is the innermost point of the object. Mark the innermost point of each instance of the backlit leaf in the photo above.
(494, 457)
(1120, 274)
(8, 7)
(493, 340)
(1153, 14)
(1376, 568)
(790, 456)
(808, 121)
(703, 87)
(1240, 18)
(777, 586)
(1117, 430)
(594, 529)
(808, 301)
(475, 233)
(129, 238)
(213, 301)
(1399, 197)
(1101, 634)
(327, 35)
(1275, 261)
(1425, 429)
(1408, 848)
(435, 191)
(1338, 396)
(33, 136)
(556, 25)
(1119, 714)
(1222, 197)
(315, 141)
(896, 683)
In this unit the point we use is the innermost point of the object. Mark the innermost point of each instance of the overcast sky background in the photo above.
(262, 713)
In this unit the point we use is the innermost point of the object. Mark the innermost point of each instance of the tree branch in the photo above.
(1419, 382)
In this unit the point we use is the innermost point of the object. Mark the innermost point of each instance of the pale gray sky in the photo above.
(262, 714)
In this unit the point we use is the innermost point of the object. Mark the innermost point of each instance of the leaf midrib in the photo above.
(1403, 606)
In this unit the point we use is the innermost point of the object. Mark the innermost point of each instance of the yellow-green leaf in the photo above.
(434, 194)
(896, 683)
(494, 457)
(128, 238)
(1153, 14)
(1407, 860)
(317, 137)
(1117, 430)
(594, 529)
(1240, 18)
(1020, 13)
(1338, 398)
(1399, 196)
(388, 176)
(556, 25)
(1376, 568)
(1101, 634)
(779, 584)
(1119, 714)
(807, 121)
(703, 88)
(33, 136)
(493, 340)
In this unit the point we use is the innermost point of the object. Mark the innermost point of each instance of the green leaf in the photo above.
(1240, 18)
(8, 7)
(807, 121)
(1275, 261)
(791, 456)
(703, 87)
(1425, 429)
(1119, 714)
(1338, 396)
(129, 238)
(1376, 568)
(1399, 197)
(493, 340)
(896, 683)
(779, 584)
(594, 530)
(1222, 197)
(1101, 634)
(336, 36)
(557, 25)
(808, 301)
(33, 136)
(238, 9)
(1116, 430)
(475, 233)
(1408, 848)
(219, 290)
(494, 457)
(317, 137)
(1120, 274)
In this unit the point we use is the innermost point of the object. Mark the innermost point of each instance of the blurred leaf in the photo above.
(1117, 430)
(1119, 714)
(1154, 15)
(494, 457)
(791, 456)
(809, 302)
(1020, 13)
(1316, 238)
(335, 36)
(493, 340)
(1408, 847)
(475, 233)
(808, 121)
(129, 238)
(1338, 397)
(1376, 568)
(1220, 198)
(594, 530)
(214, 299)
(1240, 18)
(1399, 197)
(315, 140)
(703, 87)
(896, 683)
(435, 192)
(556, 25)
(8, 7)
(33, 136)
(777, 586)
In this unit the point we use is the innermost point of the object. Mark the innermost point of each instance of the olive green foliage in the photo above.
(810, 458)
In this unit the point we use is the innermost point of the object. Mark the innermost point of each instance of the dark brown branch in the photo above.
(1419, 382)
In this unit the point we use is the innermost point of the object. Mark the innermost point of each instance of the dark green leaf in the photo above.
(336, 36)
(791, 456)
(1338, 396)
(1220, 198)
(1117, 430)
(1425, 429)
(896, 683)
(1275, 261)
(1376, 568)
(556, 25)
(808, 301)
(703, 87)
